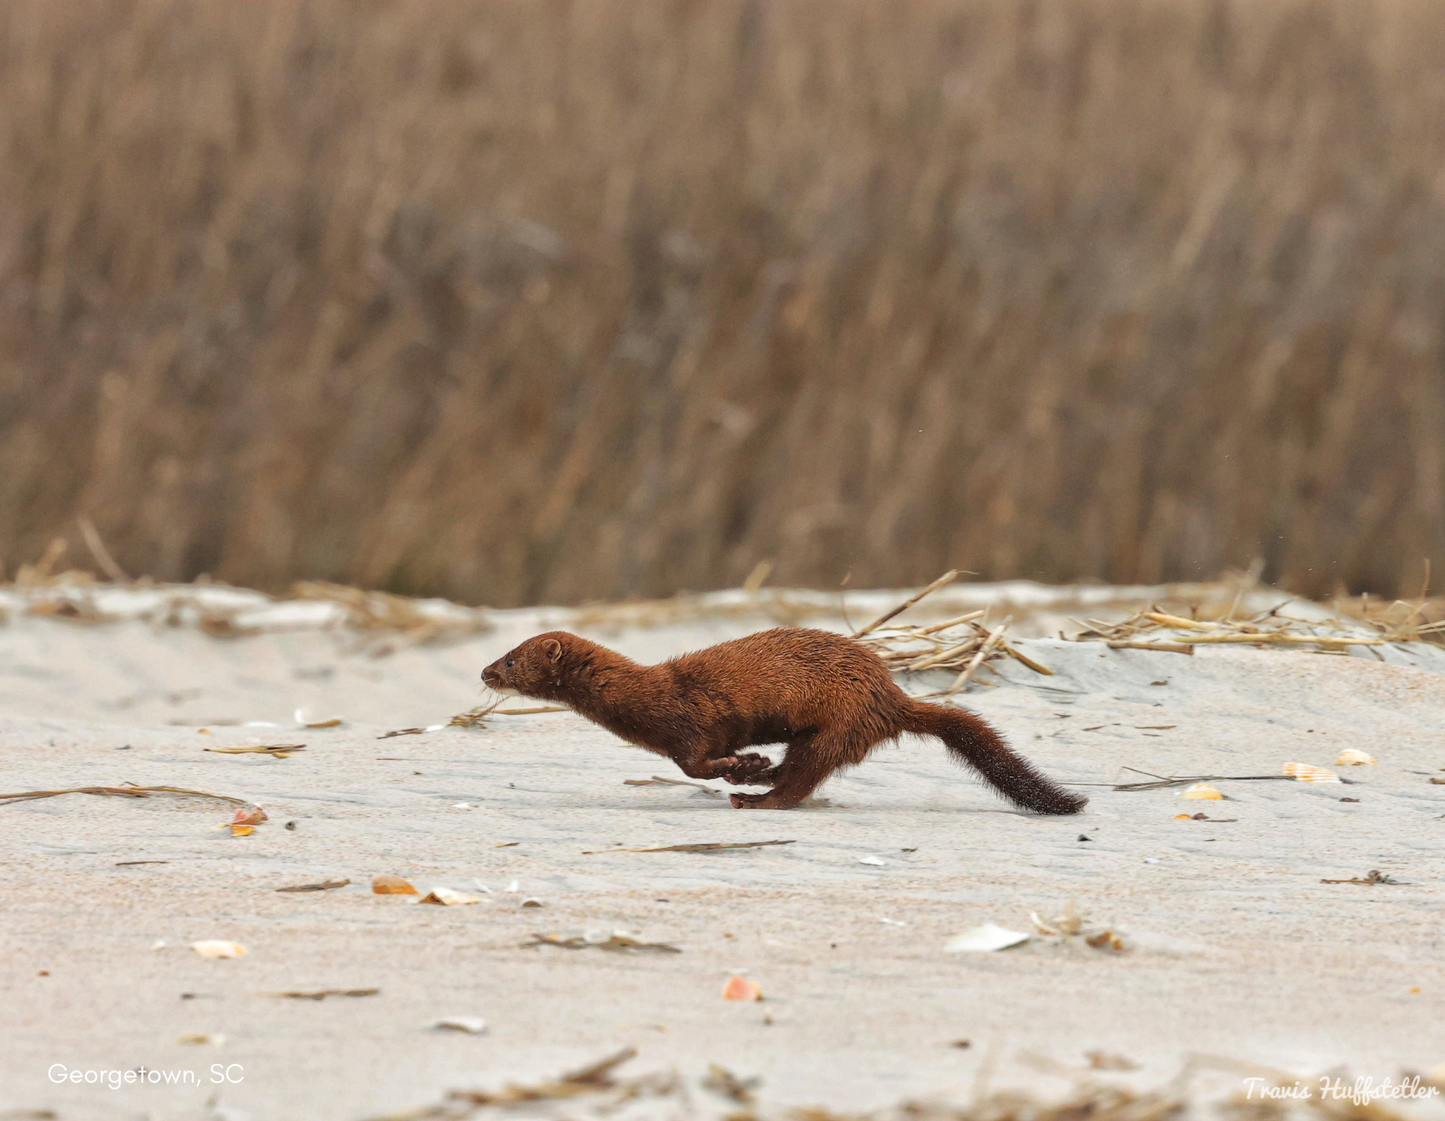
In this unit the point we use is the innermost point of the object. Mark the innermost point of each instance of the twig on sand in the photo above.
(473, 717)
(658, 780)
(1156, 629)
(615, 941)
(121, 792)
(275, 750)
(978, 659)
(947, 578)
(1375, 877)
(98, 550)
(594, 1079)
(1159, 782)
(322, 994)
(963, 644)
(712, 846)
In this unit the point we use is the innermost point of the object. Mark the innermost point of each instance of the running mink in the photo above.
(830, 699)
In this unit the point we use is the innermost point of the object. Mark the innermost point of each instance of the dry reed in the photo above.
(522, 303)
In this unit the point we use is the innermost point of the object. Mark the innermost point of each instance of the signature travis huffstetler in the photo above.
(1362, 1091)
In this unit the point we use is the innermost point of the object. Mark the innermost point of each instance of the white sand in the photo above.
(1235, 947)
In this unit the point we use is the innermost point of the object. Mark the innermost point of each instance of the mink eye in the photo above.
(511, 661)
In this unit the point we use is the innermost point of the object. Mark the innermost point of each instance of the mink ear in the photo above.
(553, 649)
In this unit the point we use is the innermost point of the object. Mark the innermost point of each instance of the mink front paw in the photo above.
(744, 770)
(748, 801)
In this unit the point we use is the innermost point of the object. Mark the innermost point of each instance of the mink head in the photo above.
(537, 668)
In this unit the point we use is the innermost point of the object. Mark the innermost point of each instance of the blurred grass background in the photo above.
(548, 302)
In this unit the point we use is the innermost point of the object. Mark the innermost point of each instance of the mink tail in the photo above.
(970, 739)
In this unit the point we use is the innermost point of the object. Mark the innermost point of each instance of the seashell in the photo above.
(984, 939)
(219, 949)
(448, 898)
(1306, 772)
(472, 1025)
(740, 988)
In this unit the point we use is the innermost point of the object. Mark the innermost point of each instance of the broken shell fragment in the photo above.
(306, 720)
(984, 939)
(472, 1025)
(391, 885)
(1201, 790)
(448, 898)
(740, 988)
(1353, 757)
(1106, 940)
(216, 948)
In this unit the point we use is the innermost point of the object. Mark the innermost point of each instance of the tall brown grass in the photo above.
(554, 301)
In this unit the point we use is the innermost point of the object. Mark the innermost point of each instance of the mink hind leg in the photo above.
(807, 763)
(792, 783)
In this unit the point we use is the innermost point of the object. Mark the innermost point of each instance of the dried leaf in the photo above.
(391, 885)
(1067, 924)
(708, 847)
(593, 1079)
(242, 830)
(322, 994)
(1106, 940)
(325, 885)
(214, 1040)
(275, 750)
(1103, 1060)
(119, 792)
(740, 988)
(724, 1082)
(216, 948)
(615, 940)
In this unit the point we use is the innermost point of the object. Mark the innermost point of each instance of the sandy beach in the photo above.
(1232, 947)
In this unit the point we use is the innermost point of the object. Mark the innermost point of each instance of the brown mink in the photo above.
(831, 700)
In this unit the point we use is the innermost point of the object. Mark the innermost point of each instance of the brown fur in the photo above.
(828, 698)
